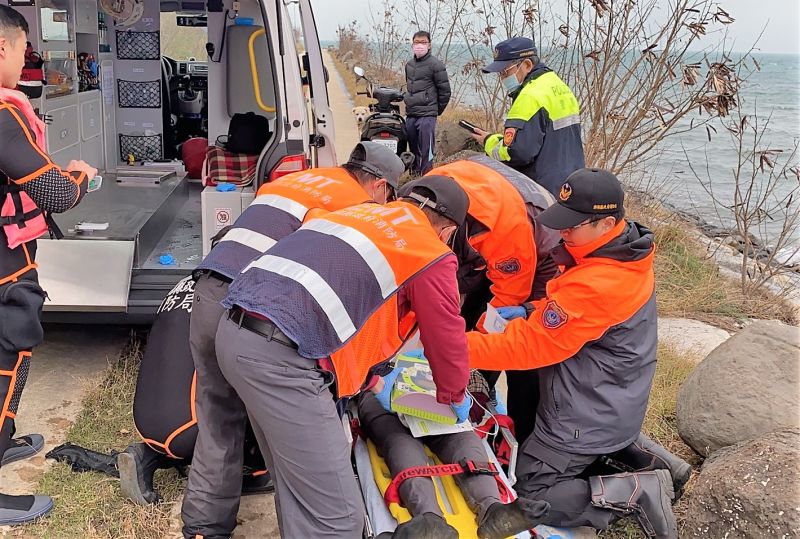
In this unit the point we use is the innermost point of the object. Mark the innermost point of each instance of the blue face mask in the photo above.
(510, 83)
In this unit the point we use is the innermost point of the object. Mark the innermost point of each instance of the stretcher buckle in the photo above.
(484, 468)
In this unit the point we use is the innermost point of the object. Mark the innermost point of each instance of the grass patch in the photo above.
(91, 504)
(688, 281)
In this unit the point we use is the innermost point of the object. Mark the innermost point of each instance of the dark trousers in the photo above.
(421, 133)
(401, 451)
(558, 477)
(213, 493)
(301, 436)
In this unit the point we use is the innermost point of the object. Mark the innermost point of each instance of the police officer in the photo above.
(30, 184)
(212, 495)
(542, 134)
(327, 305)
(593, 339)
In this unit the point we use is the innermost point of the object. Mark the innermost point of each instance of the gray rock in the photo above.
(451, 139)
(750, 490)
(691, 336)
(745, 388)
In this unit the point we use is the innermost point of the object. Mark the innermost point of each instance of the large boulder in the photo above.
(748, 490)
(451, 139)
(746, 387)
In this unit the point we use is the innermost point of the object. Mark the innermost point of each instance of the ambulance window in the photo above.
(182, 42)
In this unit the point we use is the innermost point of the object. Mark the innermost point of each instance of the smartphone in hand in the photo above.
(474, 129)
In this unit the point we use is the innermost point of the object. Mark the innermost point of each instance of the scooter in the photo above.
(385, 125)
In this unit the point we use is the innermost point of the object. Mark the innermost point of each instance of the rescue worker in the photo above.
(321, 312)
(593, 339)
(542, 133)
(164, 408)
(30, 184)
(372, 173)
(504, 257)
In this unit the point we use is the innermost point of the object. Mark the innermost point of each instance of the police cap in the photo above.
(588, 193)
(511, 51)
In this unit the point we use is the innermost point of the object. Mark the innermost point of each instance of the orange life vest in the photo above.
(332, 286)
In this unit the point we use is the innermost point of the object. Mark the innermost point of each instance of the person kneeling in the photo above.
(401, 451)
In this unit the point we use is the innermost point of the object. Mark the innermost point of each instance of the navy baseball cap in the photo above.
(440, 193)
(510, 51)
(588, 193)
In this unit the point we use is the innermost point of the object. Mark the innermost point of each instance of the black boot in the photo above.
(137, 466)
(646, 495)
(427, 526)
(257, 484)
(507, 520)
(645, 455)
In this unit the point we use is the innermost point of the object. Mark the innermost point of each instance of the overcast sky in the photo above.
(781, 17)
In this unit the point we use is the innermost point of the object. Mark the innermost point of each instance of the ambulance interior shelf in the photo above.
(59, 67)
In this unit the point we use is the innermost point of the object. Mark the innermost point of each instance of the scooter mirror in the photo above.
(407, 158)
(359, 71)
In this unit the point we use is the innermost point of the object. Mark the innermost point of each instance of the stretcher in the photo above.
(374, 479)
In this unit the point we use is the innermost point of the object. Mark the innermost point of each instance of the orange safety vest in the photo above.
(279, 209)
(506, 240)
(332, 286)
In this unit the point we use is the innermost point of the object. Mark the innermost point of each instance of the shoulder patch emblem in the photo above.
(553, 316)
(509, 265)
(509, 135)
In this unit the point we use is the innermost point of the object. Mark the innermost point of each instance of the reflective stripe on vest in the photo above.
(250, 238)
(549, 92)
(331, 286)
(278, 210)
(282, 203)
(320, 290)
(369, 251)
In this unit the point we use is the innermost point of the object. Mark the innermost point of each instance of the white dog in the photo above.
(360, 114)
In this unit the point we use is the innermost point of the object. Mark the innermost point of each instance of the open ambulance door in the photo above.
(323, 132)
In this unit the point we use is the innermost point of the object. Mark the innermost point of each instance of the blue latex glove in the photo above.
(225, 187)
(510, 313)
(419, 353)
(462, 410)
(385, 395)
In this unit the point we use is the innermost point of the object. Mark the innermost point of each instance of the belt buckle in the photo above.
(474, 468)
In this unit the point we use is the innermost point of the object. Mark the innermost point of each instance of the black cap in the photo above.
(510, 51)
(378, 160)
(588, 193)
(440, 193)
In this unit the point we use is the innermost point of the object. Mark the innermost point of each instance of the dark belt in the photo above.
(265, 328)
(211, 274)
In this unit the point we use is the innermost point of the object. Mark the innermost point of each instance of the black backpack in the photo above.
(247, 133)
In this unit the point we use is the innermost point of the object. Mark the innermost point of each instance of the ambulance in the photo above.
(125, 85)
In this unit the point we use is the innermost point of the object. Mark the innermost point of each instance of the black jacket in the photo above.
(428, 87)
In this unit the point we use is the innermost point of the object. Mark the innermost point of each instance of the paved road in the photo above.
(342, 107)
